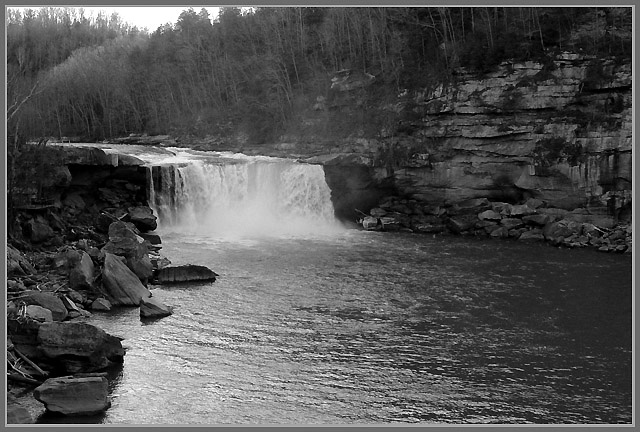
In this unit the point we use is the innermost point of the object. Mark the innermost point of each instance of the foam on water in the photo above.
(239, 196)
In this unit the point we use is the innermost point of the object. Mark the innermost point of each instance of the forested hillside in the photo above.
(258, 70)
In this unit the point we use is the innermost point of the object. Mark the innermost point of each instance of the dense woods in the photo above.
(256, 70)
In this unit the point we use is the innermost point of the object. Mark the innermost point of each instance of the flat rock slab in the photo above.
(74, 396)
(152, 308)
(78, 347)
(185, 273)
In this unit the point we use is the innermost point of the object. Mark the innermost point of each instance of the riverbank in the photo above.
(90, 245)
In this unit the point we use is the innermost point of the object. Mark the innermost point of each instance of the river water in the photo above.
(319, 324)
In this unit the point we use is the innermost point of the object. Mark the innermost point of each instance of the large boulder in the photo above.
(17, 264)
(185, 273)
(143, 218)
(122, 285)
(152, 308)
(74, 395)
(48, 301)
(78, 347)
(83, 272)
(459, 224)
(123, 241)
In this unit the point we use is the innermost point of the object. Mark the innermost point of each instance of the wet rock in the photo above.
(17, 264)
(159, 262)
(459, 224)
(154, 239)
(521, 210)
(38, 313)
(536, 219)
(83, 273)
(122, 285)
(48, 301)
(152, 308)
(123, 241)
(490, 215)
(377, 212)
(532, 235)
(511, 223)
(371, 223)
(18, 415)
(101, 304)
(143, 218)
(390, 223)
(185, 273)
(78, 347)
(74, 396)
(502, 232)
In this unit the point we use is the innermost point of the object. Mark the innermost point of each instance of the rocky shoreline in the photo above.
(66, 262)
(531, 220)
(91, 246)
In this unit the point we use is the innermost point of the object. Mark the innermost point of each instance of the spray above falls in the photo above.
(236, 195)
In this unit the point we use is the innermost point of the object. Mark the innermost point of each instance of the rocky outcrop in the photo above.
(559, 131)
(121, 284)
(77, 396)
(78, 347)
(185, 273)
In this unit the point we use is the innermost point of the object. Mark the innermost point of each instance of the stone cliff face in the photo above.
(560, 132)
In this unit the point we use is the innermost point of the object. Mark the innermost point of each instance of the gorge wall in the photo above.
(560, 132)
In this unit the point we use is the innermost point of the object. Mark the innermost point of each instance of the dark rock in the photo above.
(152, 308)
(18, 415)
(511, 223)
(74, 395)
(75, 201)
(534, 234)
(78, 347)
(17, 264)
(122, 285)
(143, 218)
(377, 212)
(38, 230)
(475, 205)
(67, 258)
(534, 203)
(459, 224)
(102, 223)
(123, 241)
(521, 210)
(489, 215)
(46, 300)
(554, 230)
(185, 273)
(101, 304)
(536, 219)
(485, 223)
(500, 231)
(390, 223)
(83, 273)
(154, 239)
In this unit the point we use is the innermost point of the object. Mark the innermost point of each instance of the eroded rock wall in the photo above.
(560, 132)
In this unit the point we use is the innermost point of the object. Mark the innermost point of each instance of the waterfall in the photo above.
(243, 196)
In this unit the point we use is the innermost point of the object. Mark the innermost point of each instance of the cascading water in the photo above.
(241, 196)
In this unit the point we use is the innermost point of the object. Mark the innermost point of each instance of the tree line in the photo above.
(256, 70)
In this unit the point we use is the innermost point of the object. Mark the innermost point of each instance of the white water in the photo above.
(236, 196)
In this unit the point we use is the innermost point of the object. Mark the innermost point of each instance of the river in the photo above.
(319, 324)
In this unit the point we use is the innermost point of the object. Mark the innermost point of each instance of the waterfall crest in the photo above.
(243, 196)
